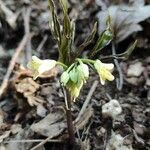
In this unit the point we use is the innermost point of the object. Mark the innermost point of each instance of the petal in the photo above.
(50, 63)
(46, 66)
(108, 66)
(35, 75)
(102, 80)
(34, 63)
(36, 59)
(83, 70)
(107, 75)
(97, 64)
(64, 78)
(110, 77)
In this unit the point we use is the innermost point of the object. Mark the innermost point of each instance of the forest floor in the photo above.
(32, 111)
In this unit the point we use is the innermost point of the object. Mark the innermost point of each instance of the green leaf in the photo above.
(64, 78)
(89, 39)
(67, 26)
(64, 5)
(67, 23)
(129, 51)
(54, 22)
(104, 39)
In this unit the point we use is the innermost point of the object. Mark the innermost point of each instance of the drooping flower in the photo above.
(64, 78)
(104, 70)
(74, 89)
(83, 70)
(74, 79)
(39, 67)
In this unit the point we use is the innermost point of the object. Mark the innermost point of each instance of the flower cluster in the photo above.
(74, 76)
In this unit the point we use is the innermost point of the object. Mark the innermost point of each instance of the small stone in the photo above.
(135, 70)
(111, 109)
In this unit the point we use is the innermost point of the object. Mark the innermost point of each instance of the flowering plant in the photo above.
(76, 68)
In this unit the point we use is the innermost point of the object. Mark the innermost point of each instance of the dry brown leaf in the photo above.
(24, 84)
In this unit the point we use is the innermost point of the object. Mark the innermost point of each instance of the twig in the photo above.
(120, 82)
(26, 17)
(42, 43)
(93, 88)
(11, 17)
(41, 143)
(33, 141)
(19, 49)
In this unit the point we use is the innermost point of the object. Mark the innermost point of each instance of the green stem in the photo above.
(85, 60)
(61, 64)
(70, 67)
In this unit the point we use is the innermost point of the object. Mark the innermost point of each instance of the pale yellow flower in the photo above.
(74, 89)
(104, 70)
(39, 67)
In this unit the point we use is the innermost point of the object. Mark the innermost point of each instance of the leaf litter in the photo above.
(43, 116)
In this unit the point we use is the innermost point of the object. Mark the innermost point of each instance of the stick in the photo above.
(93, 88)
(19, 49)
(33, 141)
(120, 83)
(28, 49)
(42, 43)
(41, 143)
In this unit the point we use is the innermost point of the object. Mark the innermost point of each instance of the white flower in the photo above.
(38, 66)
(104, 70)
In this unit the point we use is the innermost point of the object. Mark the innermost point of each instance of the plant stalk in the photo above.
(70, 124)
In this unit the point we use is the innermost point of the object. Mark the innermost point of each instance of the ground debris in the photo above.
(51, 126)
(117, 142)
